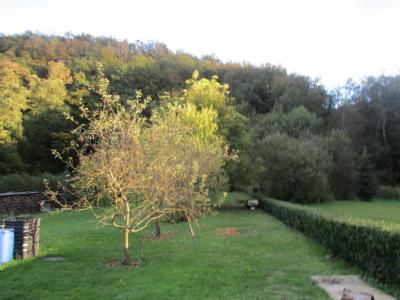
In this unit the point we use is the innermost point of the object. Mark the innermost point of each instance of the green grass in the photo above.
(235, 199)
(267, 261)
(376, 210)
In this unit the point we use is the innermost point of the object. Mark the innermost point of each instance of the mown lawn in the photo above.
(377, 210)
(267, 261)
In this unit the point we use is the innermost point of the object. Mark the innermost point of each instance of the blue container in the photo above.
(6, 245)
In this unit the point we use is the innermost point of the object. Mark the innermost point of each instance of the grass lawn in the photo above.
(235, 199)
(377, 210)
(267, 261)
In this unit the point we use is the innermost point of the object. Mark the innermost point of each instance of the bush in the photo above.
(372, 247)
(23, 182)
(295, 169)
(389, 192)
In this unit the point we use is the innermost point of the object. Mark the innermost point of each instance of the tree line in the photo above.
(294, 139)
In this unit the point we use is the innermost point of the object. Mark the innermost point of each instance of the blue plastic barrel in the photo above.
(6, 245)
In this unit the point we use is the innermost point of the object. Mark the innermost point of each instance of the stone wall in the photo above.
(20, 203)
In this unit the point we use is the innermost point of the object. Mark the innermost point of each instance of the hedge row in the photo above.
(372, 246)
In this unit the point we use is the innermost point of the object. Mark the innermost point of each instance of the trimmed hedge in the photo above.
(372, 246)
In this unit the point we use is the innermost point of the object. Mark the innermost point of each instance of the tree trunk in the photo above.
(157, 232)
(126, 233)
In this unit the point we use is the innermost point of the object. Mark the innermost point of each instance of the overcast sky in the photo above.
(329, 39)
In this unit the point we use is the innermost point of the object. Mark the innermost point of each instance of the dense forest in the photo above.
(295, 139)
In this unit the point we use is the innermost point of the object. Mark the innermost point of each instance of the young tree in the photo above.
(209, 95)
(188, 157)
(136, 171)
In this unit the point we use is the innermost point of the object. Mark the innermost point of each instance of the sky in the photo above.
(332, 40)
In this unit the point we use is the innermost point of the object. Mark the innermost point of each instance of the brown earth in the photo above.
(229, 231)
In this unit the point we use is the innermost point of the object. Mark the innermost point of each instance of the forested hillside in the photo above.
(294, 139)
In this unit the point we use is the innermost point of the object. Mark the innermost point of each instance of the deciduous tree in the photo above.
(137, 172)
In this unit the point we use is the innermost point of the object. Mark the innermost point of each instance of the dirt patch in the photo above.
(229, 231)
(118, 264)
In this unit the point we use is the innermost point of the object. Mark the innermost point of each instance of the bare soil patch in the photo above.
(229, 231)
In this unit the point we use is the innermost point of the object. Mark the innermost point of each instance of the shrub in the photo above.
(389, 192)
(23, 182)
(295, 169)
(371, 246)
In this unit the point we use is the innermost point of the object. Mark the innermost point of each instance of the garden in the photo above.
(261, 259)
(217, 181)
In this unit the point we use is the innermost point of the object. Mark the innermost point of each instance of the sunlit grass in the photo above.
(377, 210)
(267, 261)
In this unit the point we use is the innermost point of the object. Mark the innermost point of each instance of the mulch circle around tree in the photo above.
(119, 264)
(229, 231)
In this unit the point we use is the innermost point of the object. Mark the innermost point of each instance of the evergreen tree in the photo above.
(367, 182)
(342, 171)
